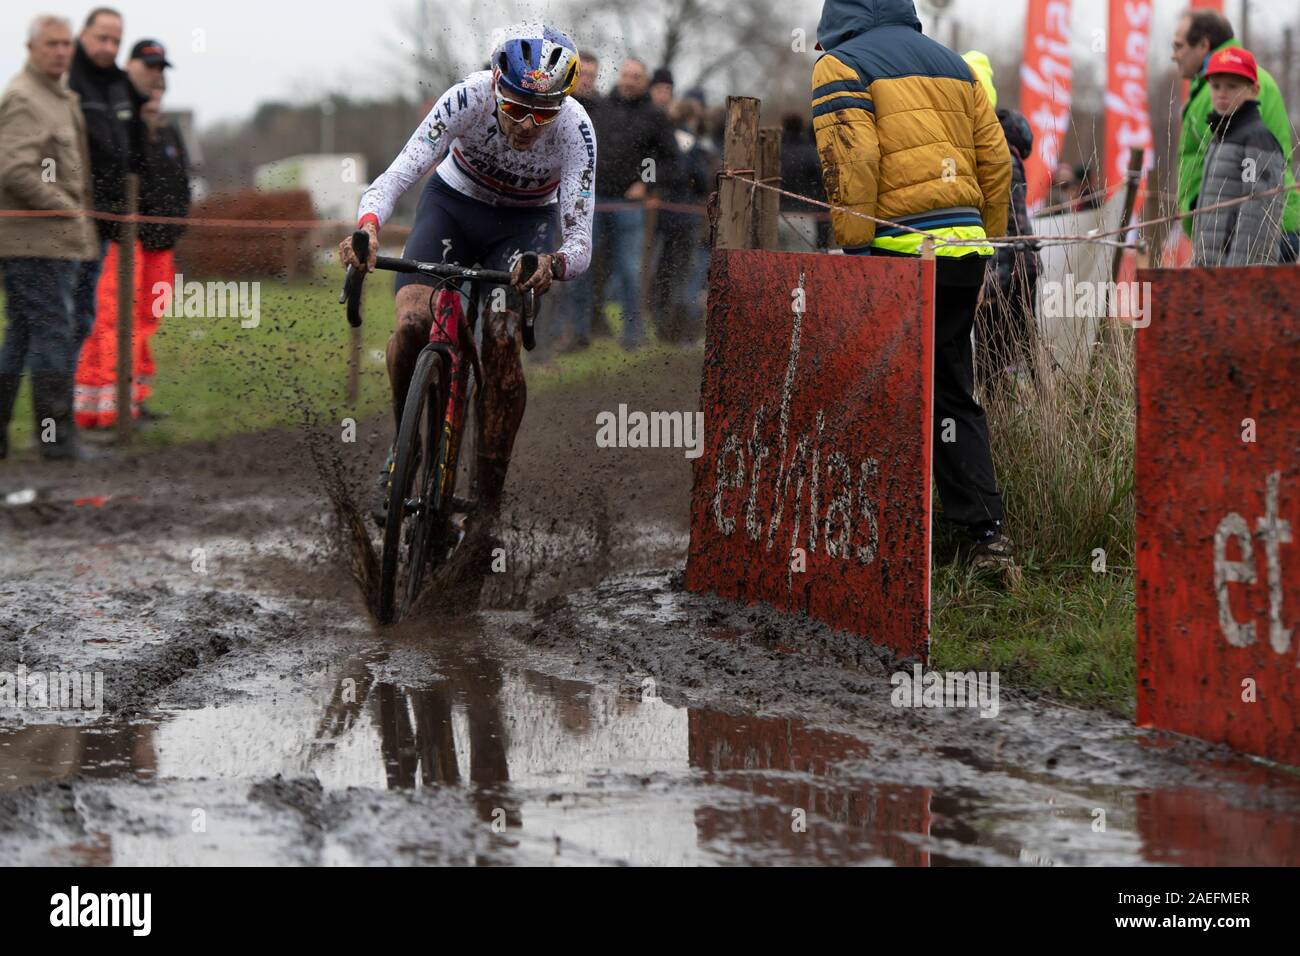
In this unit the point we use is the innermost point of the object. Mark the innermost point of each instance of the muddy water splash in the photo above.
(351, 536)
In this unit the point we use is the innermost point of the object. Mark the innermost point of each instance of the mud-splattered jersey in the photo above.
(461, 135)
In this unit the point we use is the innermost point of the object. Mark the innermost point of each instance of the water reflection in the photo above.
(607, 775)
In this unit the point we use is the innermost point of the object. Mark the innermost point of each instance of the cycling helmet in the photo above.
(536, 60)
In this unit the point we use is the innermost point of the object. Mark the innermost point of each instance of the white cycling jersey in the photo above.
(462, 133)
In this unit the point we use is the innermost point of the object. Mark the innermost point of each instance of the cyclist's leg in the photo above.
(505, 393)
(437, 236)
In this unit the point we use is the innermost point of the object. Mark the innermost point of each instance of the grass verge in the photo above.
(216, 379)
(1066, 633)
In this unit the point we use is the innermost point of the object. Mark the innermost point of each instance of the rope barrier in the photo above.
(283, 224)
(1105, 238)
(1096, 236)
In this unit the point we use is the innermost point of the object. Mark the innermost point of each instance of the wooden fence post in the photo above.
(767, 203)
(1107, 326)
(739, 151)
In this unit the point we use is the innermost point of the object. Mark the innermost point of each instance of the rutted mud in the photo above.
(593, 712)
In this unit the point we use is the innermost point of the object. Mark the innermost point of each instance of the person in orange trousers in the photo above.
(164, 191)
(96, 386)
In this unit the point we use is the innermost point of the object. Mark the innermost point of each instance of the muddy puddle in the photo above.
(595, 713)
(457, 749)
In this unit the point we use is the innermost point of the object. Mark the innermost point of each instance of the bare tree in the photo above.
(753, 48)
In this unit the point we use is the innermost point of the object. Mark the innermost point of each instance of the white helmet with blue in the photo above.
(536, 60)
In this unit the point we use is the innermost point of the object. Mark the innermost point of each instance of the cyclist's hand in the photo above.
(349, 258)
(540, 281)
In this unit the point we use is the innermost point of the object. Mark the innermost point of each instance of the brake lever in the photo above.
(528, 265)
(355, 278)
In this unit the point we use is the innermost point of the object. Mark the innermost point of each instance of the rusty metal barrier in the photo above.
(813, 491)
(1218, 508)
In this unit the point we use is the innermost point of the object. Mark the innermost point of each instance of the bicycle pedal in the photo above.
(413, 506)
(463, 505)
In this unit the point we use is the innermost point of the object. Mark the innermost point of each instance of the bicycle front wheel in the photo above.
(414, 508)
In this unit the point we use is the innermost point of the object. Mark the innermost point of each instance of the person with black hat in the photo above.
(148, 60)
(661, 89)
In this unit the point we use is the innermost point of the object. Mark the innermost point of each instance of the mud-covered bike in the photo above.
(431, 488)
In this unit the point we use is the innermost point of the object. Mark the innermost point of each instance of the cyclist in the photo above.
(514, 154)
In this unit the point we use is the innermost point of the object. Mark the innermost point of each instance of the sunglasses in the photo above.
(521, 111)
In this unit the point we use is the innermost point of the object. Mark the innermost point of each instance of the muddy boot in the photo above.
(52, 400)
(8, 395)
(991, 555)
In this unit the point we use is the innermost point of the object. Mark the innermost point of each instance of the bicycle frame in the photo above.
(451, 334)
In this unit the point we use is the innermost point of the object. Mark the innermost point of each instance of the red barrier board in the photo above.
(813, 491)
(1218, 507)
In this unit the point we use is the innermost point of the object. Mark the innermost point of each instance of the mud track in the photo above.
(590, 712)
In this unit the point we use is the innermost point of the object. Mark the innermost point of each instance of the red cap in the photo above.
(1234, 61)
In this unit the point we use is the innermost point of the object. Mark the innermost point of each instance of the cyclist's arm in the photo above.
(578, 197)
(425, 149)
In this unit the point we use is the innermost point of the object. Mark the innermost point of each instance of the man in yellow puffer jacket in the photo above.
(906, 132)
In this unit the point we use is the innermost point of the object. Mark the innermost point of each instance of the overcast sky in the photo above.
(258, 50)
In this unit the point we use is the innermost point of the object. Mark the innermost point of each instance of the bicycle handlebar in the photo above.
(355, 279)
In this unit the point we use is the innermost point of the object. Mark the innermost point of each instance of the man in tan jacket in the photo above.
(44, 167)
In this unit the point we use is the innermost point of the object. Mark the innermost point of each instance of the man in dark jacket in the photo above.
(676, 318)
(637, 150)
(1005, 327)
(573, 301)
(110, 105)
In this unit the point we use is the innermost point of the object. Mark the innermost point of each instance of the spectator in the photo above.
(802, 230)
(43, 132)
(1074, 189)
(164, 191)
(676, 319)
(708, 143)
(1199, 34)
(1005, 326)
(906, 133)
(573, 299)
(145, 68)
(1065, 189)
(637, 149)
(661, 89)
(1251, 232)
(1092, 195)
(1006, 329)
(111, 106)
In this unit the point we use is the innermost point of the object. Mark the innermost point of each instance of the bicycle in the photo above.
(431, 496)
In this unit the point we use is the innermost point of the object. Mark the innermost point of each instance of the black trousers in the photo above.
(963, 460)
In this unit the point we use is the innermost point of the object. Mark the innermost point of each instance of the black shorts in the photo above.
(452, 227)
